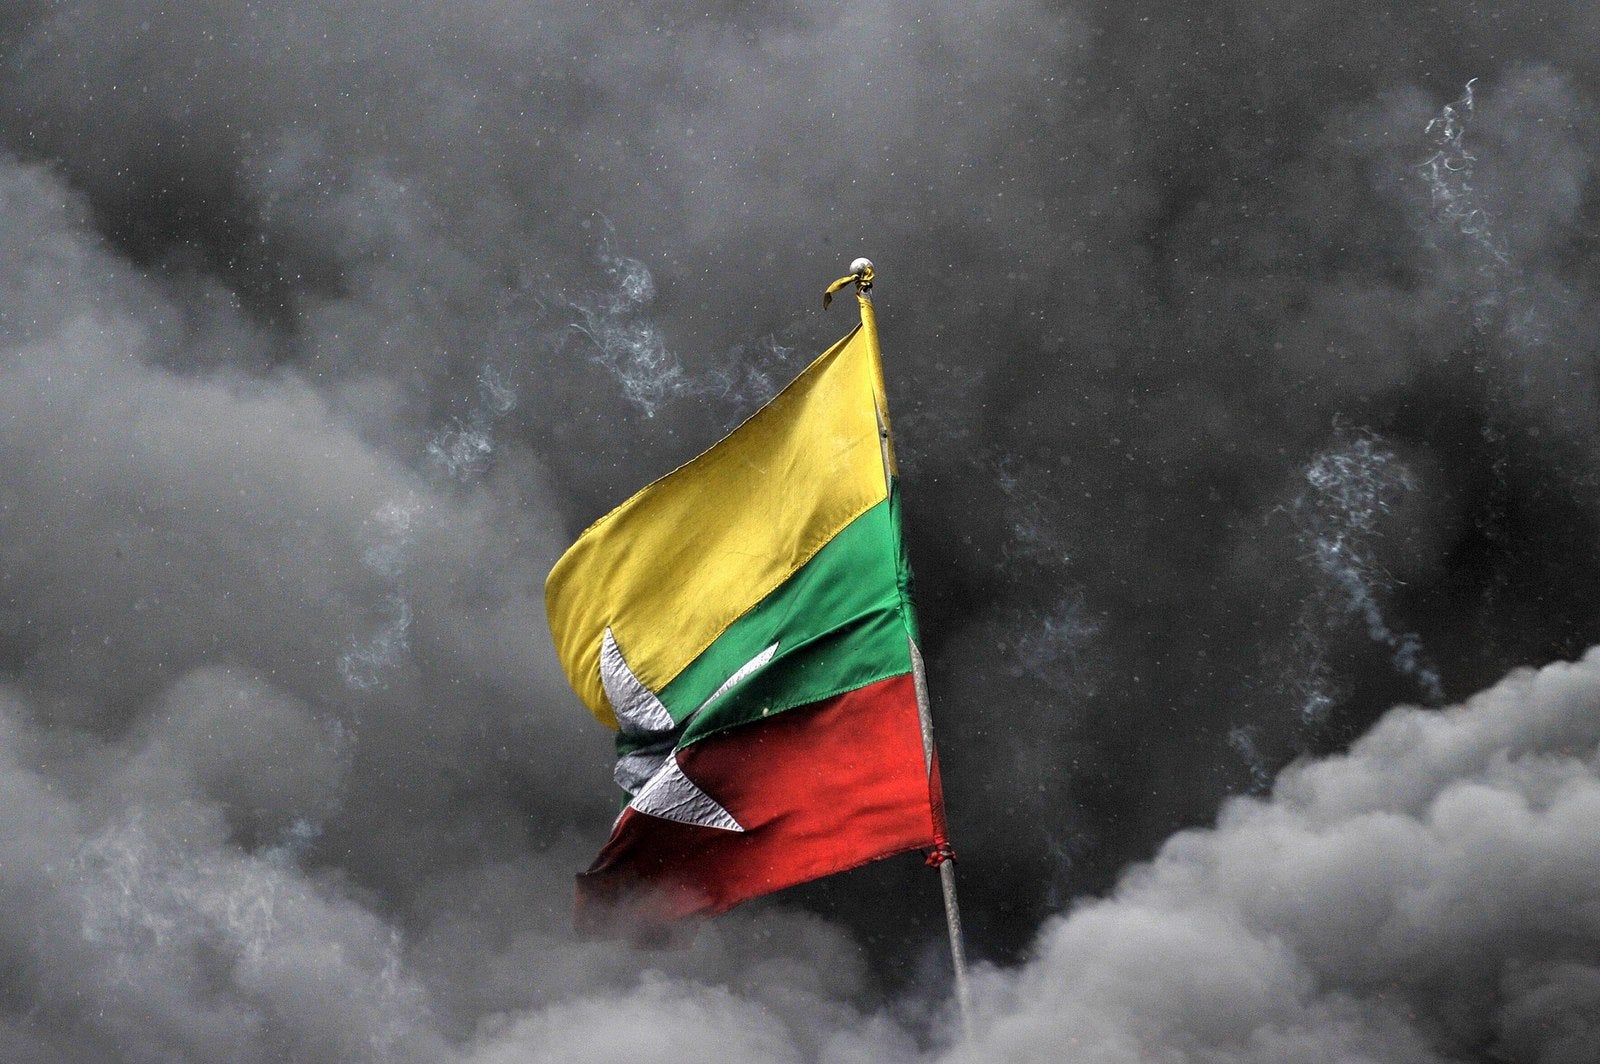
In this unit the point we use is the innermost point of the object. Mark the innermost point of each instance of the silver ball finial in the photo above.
(860, 266)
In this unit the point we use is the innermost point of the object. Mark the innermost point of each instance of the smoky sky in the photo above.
(1241, 366)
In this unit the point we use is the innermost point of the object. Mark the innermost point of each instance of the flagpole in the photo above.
(861, 272)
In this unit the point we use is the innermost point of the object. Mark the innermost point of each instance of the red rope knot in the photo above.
(940, 853)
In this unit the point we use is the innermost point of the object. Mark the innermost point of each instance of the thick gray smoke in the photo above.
(1241, 361)
(1428, 896)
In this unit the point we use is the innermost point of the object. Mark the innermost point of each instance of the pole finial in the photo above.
(860, 272)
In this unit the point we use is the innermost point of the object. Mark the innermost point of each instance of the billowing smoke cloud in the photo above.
(1425, 897)
(1241, 369)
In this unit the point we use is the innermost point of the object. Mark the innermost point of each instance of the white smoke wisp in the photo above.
(462, 452)
(621, 336)
(623, 339)
(1427, 897)
(1065, 849)
(1053, 642)
(1449, 174)
(1245, 740)
(365, 665)
(1456, 205)
(752, 374)
(1052, 649)
(1311, 680)
(1349, 488)
(1028, 510)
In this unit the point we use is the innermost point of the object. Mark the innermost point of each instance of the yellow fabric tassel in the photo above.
(862, 279)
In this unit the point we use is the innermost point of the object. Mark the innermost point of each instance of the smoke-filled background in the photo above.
(1245, 386)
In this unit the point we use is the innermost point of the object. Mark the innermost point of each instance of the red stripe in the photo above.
(818, 789)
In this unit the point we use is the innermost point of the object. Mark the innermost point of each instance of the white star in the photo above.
(671, 795)
(652, 773)
(638, 710)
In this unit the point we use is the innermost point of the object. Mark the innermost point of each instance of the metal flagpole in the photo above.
(861, 273)
(947, 866)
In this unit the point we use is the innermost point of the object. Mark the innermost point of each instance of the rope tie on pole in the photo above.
(940, 853)
(862, 277)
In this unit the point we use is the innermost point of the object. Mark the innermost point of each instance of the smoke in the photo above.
(463, 450)
(624, 340)
(1455, 204)
(1240, 363)
(1423, 897)
(1349, 490)
(363, 665)
(1420, 898)
(1246, 743)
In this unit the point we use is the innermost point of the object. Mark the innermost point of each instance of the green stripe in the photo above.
(840, 623)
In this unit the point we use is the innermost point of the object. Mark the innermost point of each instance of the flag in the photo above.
(745, 624)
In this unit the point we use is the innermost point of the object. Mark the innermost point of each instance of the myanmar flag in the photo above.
(745, 624)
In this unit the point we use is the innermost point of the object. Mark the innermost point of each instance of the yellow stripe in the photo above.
(672, 567)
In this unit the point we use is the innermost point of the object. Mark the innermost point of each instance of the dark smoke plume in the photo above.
(1242, 368)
